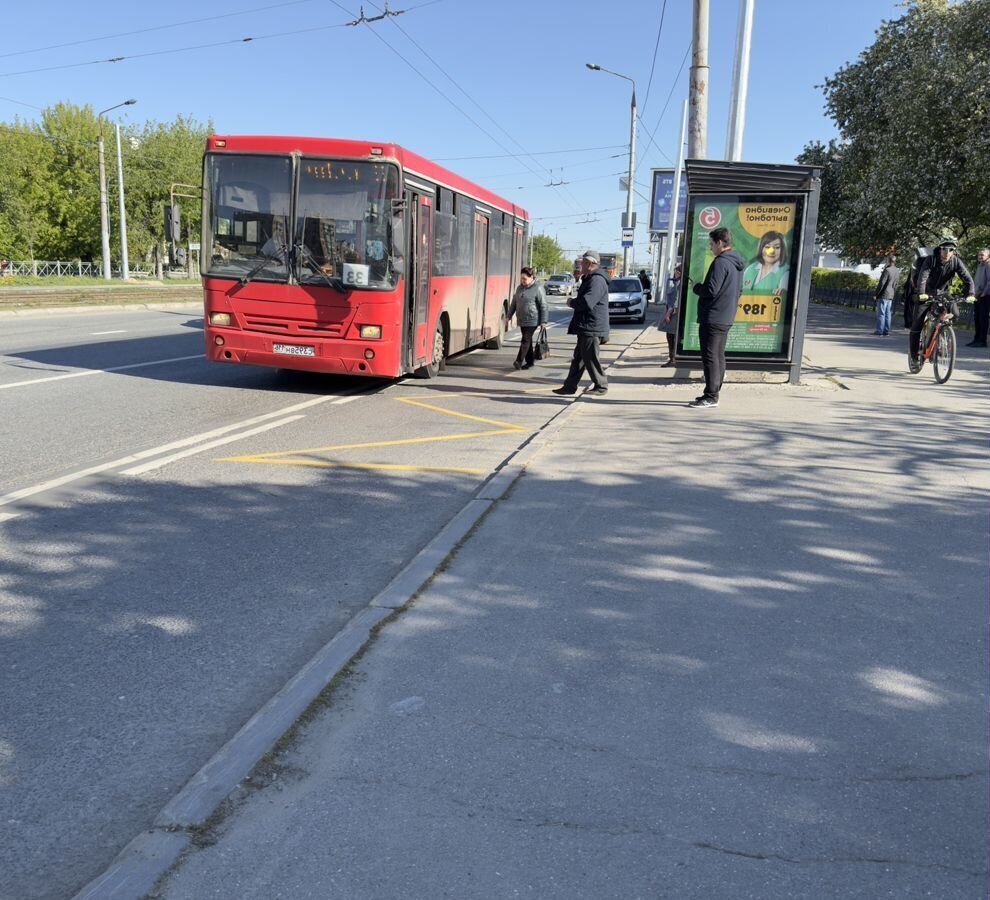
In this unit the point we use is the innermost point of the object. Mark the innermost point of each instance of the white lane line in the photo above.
(6, 499)
(199, 448)
(118, 331)
(6, 517)
(154, 362)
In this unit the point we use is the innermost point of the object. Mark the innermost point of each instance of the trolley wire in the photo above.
(443, 94)
(656, 47)
(437, 65)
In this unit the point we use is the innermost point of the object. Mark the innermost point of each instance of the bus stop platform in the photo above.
(692, 654)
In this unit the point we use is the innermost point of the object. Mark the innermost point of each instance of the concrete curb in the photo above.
(69, 310)
(138, 867)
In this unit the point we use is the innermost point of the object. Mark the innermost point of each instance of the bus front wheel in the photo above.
(498, 342)
(438, 355)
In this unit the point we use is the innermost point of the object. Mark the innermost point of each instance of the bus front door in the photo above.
(418, 340)
(476, 323)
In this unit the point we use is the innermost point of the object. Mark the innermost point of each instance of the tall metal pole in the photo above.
(627, 222)
(670, 257)
(104, 213)
(698, 129)
(124, 270)
(626, 251)
(740, 82)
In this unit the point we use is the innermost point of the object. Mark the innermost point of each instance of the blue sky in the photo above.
(514, 67)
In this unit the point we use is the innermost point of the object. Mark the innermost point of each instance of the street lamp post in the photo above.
(124, 271)
(628, 222)
(104, 212)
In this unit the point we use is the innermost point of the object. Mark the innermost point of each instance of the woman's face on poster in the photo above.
(772, 251)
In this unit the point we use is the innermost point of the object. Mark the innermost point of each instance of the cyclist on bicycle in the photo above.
(934, 276)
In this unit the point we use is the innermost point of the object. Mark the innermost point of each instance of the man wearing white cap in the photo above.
(589, 324)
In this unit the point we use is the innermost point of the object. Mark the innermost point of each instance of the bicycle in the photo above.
(937, 341)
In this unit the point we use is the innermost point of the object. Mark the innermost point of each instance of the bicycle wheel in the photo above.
(944, 357)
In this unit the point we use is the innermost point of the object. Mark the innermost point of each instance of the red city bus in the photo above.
(350, 257)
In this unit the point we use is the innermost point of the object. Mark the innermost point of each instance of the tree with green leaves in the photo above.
(49, 183)
(546, 254)
(913, 113)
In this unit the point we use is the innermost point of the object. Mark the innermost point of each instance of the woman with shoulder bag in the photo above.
(529, 306)
(669, 321)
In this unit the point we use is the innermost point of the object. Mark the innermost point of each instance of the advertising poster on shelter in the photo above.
(763, 234)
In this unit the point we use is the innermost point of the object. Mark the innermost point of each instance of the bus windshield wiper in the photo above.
(306, 256)
(271, 251)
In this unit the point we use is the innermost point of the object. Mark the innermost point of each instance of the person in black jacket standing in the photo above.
(590, 325)
(718, 298)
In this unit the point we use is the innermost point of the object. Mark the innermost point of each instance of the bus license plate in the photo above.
(294, 349)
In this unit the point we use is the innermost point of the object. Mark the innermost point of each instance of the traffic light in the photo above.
(172, 222)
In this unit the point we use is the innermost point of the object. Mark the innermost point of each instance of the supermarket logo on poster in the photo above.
(710, 217)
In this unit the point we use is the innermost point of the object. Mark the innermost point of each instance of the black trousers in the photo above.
(586, 357)
(671, 344)
(525, 354)
(908, 311)
(982, 319)
(713, 339)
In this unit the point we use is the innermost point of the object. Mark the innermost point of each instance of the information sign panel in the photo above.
(663, 199)
(765, 232)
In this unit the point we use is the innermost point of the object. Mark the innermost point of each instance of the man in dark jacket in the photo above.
(718, 298)
(884, 296)
(590, 325)
(935, 275)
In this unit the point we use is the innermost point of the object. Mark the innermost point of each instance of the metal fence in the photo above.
(44, 268)
(863, 299)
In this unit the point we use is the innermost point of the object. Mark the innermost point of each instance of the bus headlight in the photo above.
(371, 332)
(219, 318)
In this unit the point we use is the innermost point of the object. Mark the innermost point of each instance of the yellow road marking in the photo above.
(290, 457)
(330, 464)
(396, 443)
(449, 412)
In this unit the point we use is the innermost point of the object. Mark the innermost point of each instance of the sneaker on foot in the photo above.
(516, 364)
(564, 391)
(703, 403)
(598, 391)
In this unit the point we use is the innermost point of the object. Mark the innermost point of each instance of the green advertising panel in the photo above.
(764, 233)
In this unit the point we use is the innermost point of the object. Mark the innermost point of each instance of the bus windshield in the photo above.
(343, 228)
(247, 229)
(343, 231)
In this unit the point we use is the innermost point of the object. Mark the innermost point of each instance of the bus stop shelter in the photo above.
(772, 212)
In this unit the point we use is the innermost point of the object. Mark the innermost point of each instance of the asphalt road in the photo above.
(177, 538)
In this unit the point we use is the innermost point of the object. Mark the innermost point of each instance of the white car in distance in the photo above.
(560, 286)
(626, 300)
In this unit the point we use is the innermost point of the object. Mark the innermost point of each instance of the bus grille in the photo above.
(267, 325)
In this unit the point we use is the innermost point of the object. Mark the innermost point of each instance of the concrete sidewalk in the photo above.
(732, 653)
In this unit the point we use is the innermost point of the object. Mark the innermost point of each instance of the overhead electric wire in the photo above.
(22, 103)
(587, 162)
(673, 87)
(230, 15)
(437, 65)
(536, 153)
(120, 34)
(574, 215)
(656, 47)
(446, 97)
(117, 59)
